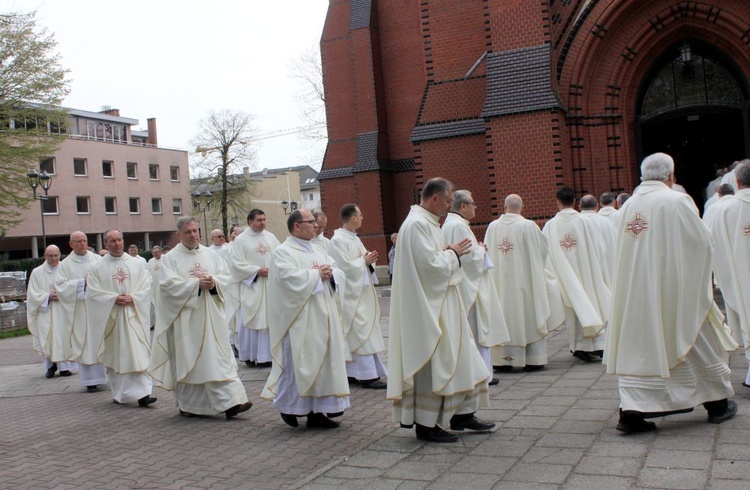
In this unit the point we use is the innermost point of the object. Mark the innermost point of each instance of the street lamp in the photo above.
(292, 206)
(197, 204)
(36, 179)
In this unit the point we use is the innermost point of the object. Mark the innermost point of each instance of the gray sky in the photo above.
(177, 60)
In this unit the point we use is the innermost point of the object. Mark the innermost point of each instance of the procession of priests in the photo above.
(628, 279)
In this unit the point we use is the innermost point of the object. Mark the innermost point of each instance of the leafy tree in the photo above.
(224, 144)
(32, 126)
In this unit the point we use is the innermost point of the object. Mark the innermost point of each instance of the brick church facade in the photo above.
(526, 96)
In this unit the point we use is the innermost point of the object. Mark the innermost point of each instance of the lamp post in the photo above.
(291, 205)
(36, 179)
(197, 205)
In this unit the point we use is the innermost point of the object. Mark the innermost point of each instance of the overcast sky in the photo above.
(177, 60)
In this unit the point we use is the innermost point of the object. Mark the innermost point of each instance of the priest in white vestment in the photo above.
(437, 378)
(731, 259)
(720, 261)
(133, 252)
(360, 308)
(248, 266)
(666, 339)
(321, 221)
(584, 280)
(478, 291)
(219, 243)
(607, 207)
(528, 292)
(604, 232)
(308, 376)
(153, 266)
(39, 296)
(70, 314)
(191, 353)
(119, 300)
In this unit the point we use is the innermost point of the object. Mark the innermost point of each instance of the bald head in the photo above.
(52, 255)
(587, 203)
(513, 204)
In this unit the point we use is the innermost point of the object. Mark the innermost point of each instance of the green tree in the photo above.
(223, 145)
(32, 125)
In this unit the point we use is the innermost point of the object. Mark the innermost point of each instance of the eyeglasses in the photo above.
(311, 221)
(218, 236)
(80, 241)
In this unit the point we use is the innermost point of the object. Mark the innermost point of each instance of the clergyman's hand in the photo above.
(461, 248)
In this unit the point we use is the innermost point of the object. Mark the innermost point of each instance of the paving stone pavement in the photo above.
(555, 430)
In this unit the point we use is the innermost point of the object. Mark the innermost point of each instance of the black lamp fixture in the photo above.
(290, 205)
(43, 180)
(198, 198)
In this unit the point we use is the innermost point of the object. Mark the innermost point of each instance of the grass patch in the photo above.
(14, 333)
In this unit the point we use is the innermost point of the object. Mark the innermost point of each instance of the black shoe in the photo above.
(146, 401)
(65, 372)
(92, 389)
(533, 367)
(320, 421)
(727, 414)
(494, 381)
(472, 423)
(586, 356)
(188, 414)
(633, 423)
(237, 409)
(434, 434)
(263, 364)
(334, 415)
(51, 371)
(236, 352)
(115, 402)
(352, 381)
(374, 384)
(599, 353)
(290, 420)
(745, 385)
(503, 369)
(250, 363)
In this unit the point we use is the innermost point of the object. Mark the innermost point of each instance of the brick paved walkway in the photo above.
(556, 429)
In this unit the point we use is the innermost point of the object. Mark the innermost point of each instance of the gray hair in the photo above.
(658, 166)
(459, 198)
(184, 221)
(725, 190)
(742, 172)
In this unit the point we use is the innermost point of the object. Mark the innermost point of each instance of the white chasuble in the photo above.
(580, 271)
(609, 212)
(69, 314)
(604, 240)
(360, 309)
(519, 250)
(305, 311)
(428, 321)
(38, 315)
(194, 318)
(321, 241)
(732, 258)
(662, 294)
(478, 289)
(124, 330)
(249, 252)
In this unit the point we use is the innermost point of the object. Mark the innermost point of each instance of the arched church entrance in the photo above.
(693, 105)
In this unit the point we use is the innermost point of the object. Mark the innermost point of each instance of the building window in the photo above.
(79, 167)
(135, 205)
(174, 173)
(82, 205)
(177, 206)
(156, 205)
(132, 170)
(49, 205)
(108, 168)
(153, 171)
(47, 165)
(110, 205)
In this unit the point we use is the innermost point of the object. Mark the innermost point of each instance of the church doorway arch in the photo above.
(693, 104)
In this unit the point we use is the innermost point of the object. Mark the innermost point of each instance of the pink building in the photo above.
(106, 175)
